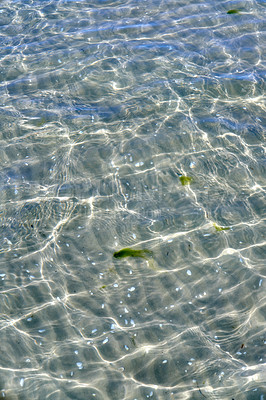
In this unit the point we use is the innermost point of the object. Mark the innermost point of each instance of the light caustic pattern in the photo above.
(132, 125)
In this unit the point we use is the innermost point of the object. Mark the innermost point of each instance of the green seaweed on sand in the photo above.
(233, 12)
(221, 228)
(143, 253)
(127, 252)
(185, 180)
(41, 122)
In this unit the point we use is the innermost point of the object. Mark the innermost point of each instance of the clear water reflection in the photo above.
(104, 106)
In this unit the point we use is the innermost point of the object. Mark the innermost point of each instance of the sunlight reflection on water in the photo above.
(132, 126)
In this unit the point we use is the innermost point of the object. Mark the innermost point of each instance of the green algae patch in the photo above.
(143, 253)
(127, 252)
(41, 122)
(185, 180)
(221, 228)
(233, 11)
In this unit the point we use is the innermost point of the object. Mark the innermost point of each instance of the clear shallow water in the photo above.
(104, 105)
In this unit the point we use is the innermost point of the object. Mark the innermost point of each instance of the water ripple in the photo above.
(104, 107)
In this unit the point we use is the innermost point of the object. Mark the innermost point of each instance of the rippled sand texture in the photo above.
(104, 106)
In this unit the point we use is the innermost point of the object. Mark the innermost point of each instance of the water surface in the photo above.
(104, 106)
